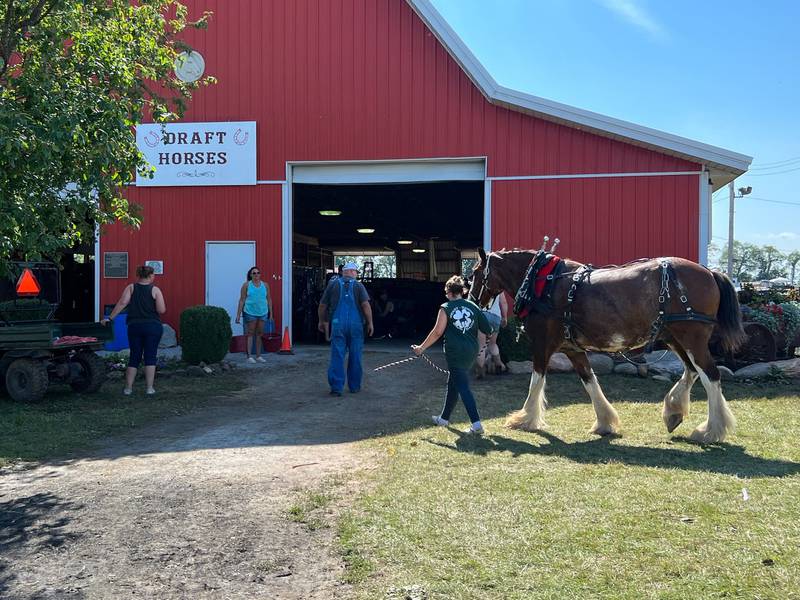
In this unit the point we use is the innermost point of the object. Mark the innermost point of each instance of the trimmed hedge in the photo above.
(205, 334)
(513, 342)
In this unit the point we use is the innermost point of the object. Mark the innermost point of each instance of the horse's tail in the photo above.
(729, 315)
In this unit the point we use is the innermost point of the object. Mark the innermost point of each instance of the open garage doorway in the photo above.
(407, 238)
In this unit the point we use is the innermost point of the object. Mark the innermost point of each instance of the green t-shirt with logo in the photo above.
(464, 319)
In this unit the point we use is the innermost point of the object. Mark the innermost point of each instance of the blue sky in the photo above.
(722, 72)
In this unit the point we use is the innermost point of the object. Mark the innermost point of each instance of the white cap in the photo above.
(350, 265)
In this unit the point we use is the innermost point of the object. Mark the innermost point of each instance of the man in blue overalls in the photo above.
(347, 302)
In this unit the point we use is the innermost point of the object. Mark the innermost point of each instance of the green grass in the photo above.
(65, 422)
(567, 515)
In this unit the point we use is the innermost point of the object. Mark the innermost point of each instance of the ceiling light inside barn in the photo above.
(419, 250)
(330, 213)
(405, 242)
(365, 230)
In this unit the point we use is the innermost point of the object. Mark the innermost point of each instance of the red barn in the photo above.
(377, 111)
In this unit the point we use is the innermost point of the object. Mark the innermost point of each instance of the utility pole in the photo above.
(743, 191)
(730, 230)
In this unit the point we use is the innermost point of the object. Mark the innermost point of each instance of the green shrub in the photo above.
(25, 309)
(513, 342)
(205, 334)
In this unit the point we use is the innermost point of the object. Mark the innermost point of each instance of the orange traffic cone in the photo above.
(286, 344)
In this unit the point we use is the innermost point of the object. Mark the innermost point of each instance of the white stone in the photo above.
(665, 378)
(520, 367)
(725, 373)
(559, 363)
(670, 364)
(626, 369)
(169, 339)
(601, 364)
(790, 368)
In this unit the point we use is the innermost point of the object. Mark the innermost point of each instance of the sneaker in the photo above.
(251, 360)
(474, 429)
(150, 392)
(260, 359)
(355, 391)
(437, 420)
(335, 393)
(127, 391)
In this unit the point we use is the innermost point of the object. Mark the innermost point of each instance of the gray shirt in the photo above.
(330, 297)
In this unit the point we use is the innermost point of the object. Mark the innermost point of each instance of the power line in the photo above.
(776, 163)
(773, 173)
(774, 201)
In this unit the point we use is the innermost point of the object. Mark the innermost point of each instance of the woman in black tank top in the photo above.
(145, 304)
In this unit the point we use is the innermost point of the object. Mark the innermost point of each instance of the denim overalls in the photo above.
(347, 333)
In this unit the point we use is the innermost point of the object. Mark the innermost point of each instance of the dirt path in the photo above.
(195, 507)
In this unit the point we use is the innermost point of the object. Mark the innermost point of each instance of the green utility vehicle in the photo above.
(35, 350)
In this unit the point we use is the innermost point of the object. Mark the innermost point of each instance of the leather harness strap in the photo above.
(668, 276)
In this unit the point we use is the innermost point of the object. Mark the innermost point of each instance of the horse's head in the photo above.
(485, 286)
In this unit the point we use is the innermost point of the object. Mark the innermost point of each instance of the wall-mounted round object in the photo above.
(190, 66)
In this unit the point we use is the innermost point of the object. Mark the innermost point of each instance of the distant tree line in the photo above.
(757, 263)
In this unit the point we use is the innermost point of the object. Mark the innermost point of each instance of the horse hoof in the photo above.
(673, 421)
(703, 436)
(522, 423)
(603, 430)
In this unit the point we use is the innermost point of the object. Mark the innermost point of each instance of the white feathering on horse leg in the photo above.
(607, 419)
(720, 420)
(531, 416)
(676, 401)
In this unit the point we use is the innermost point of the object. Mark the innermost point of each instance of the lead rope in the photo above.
(410, 359)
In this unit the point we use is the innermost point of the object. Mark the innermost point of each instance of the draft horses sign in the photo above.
(199, 153)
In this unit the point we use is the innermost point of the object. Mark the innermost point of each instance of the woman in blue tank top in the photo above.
(255, 306)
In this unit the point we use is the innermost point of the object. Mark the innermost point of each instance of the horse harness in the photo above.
(524, 299)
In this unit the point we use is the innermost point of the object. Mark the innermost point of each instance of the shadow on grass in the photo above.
(726, 459)
(32, 524)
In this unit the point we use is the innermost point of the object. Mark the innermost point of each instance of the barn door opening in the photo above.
(407, 239)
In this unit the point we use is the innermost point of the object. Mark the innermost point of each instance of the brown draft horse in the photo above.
(614, 309)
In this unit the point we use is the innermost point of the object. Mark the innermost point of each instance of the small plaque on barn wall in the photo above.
(158, 266)
(115, 265)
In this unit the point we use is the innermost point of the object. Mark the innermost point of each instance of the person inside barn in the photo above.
(497, 315)
(345, 309)
(459, 320)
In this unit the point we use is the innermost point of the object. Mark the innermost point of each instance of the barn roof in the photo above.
(723, 164)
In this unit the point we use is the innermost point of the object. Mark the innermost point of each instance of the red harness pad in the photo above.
(541, 276)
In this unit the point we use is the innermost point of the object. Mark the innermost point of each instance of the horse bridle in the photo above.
(484, 279)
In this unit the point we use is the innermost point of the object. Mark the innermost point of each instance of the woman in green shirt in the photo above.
(459, 320)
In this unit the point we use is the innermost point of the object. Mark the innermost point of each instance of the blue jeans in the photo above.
(344, 338)
(458, 385)
(144, 337)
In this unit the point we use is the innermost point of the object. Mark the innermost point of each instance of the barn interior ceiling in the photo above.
(414, 211)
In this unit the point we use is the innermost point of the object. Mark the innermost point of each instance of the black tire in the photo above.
(26, 380)
(92, 373)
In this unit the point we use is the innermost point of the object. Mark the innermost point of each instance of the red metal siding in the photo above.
(603, 220)
(175, 229)
(365, 79)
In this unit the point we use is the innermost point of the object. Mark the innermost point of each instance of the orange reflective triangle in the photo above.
(27, 284)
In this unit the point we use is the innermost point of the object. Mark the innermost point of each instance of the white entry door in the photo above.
(227, 264)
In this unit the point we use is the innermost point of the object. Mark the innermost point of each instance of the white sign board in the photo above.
(199, 153)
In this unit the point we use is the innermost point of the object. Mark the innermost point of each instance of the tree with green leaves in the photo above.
(769, 260)
(791, 262)
(746, 259)
(76, 77)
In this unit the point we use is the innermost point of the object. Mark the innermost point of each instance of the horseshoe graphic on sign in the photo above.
(152, 139)
(240, 137)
